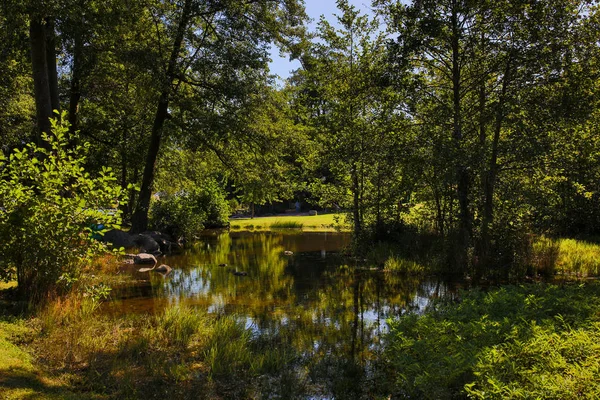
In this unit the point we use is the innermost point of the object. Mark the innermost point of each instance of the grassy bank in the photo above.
(534, 341)
(309, 223)
(180, 353)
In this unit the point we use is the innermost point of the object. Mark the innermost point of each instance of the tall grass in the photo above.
(287, 225)
(227, 348)
(404, 266)
(392, 258)
(128, 355)
(568, 257)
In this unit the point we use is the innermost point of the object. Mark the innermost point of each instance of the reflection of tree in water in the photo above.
(200, 278)
(333, 317)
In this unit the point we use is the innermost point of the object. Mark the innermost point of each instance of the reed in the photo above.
(287, 225)
(567, 257)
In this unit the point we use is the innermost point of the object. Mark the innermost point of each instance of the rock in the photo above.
(222, 265)
(288, 253)
(144, 258)
(165, 242)
(146, 244)
(118, 238)
(240, 273)
(163, 268)
(312, 212)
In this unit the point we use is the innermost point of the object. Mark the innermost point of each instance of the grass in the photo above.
(287, 225)
(567, 257)
(533, 341)
(20, 376)
(179, 353)
(315, 223)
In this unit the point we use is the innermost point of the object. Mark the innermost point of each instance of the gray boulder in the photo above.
(164, 241)
(146, 243)
(118, 238)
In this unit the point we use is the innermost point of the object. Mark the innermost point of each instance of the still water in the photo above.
(334, 307)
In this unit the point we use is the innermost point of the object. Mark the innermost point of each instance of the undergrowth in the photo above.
(534, 341)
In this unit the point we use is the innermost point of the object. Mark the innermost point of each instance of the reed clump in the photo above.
(567, 257)
(287, 225)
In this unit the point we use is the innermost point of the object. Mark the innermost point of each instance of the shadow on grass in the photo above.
(19, 383)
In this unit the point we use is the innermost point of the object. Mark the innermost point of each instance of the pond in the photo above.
(332, 308)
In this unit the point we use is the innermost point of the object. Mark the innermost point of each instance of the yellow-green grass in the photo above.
(568, 257)
(310, 223)
(20, 376)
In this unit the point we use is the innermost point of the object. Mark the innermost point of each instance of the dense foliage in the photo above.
(49, 207)
(184, 215)
(473, 121)
(534, 341)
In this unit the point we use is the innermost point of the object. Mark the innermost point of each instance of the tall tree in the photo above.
(353, 117)
(209, 44)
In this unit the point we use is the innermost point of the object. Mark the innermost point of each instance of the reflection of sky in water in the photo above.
(308, 297)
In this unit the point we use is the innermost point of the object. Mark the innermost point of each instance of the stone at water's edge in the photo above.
(118, 238)
(312, 212)
(164, 241)
(163, 268)
(146, 243)
(144, 258)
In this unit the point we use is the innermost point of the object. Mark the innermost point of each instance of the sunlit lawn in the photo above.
(314, 223)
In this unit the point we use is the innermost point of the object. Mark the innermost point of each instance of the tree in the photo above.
(216, 52)
(486, 75)
(356, 119)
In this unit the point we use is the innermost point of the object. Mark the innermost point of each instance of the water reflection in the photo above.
(333, 314)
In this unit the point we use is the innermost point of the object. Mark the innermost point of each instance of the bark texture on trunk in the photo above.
(139, 220)
(41, 85)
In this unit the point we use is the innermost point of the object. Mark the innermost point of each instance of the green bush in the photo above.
(185, 214)
(535, 341)
(177, 215)
(48, 206)
(287, 225)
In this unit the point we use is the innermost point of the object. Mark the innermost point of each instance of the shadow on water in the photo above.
(332, 314)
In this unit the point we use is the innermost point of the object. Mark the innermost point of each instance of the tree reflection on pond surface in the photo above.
(332, 313)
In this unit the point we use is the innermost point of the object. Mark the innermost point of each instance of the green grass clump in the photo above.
(403, 266)
(227, 348)
(569, 257)
(578, 257)
(534, 341)
(287, 225)
(179, 324)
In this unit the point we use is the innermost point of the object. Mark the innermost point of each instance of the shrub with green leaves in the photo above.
(48, 207)
(533, 341)
(186, 213)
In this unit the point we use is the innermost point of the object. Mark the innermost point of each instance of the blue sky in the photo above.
(314, 8)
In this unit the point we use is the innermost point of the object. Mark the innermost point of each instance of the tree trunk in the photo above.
(139, 220)
(75, 90)
(492, 170)
(41, 85)
(51, 64)
(462, 176)
(356, 203)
